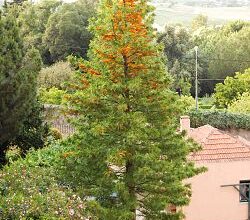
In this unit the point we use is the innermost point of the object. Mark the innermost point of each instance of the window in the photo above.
(244, 190)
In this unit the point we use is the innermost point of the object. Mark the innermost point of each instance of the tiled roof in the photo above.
(218, 146)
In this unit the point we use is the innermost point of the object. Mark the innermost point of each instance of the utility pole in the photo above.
(196, 78)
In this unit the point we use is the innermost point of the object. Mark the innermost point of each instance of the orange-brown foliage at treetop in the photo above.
(125, 42)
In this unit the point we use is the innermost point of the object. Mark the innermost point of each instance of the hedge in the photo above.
(219, 119)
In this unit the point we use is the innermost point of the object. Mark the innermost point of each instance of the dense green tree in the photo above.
(225, 49)
(66, 31)
(127, 154)
(232, 88)
(230, 46)
(10, 62)
(177, 44)
(179, 50)
(34, 131)
(33, 18)
(18, 73)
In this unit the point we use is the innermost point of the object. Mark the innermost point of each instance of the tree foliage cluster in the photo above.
(177, 45)
(55, 28)
(232, 89)
(222, 51)
(225, 45)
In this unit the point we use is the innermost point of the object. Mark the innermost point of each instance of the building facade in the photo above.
(222, 192)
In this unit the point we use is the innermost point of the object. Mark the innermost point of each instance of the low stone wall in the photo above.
(55, 117)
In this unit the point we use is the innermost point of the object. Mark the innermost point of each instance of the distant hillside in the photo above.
(207, 3)
(183, 11)
(168, 11)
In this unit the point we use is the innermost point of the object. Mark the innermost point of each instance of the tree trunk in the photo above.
(129, 164)
(131, 185)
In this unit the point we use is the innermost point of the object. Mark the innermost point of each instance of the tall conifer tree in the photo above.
(18, 74)
(130, 157)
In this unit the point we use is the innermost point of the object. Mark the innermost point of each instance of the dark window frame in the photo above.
(244, 188)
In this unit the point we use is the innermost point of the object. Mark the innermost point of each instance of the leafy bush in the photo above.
(221, 120)
(30, 189)
(187, 103)
(51, 96)
(242, 105)
(55, 75)
(205, 106)
(56, 134)
(13, 153)
(232, 88)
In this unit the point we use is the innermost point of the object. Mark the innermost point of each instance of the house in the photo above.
(222, 192)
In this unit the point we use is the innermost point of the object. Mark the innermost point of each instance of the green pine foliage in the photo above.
(127, 154)
(34, 132)
(18, 74)
(11, 106)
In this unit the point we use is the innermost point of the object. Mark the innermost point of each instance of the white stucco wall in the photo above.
(212, 202)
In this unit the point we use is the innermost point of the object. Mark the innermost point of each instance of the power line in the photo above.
(214, 59)
(202, 79)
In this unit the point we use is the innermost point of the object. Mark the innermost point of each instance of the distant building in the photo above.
(222, 192)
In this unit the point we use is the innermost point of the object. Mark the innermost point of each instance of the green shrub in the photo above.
(220, 119)
(55, 75)
(30, 189)
(51, 96)
(242, 105)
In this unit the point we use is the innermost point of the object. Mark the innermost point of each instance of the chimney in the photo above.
(185, 123)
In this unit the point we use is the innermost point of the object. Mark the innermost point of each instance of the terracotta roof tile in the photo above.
(218, 145)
